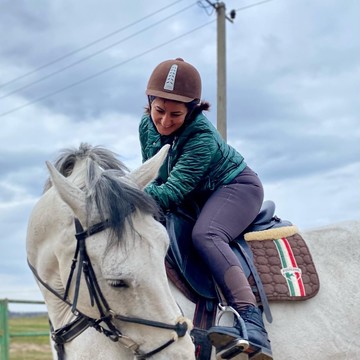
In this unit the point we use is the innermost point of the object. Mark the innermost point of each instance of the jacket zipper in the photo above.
(169, 155)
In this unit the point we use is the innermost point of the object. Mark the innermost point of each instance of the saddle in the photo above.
(274, 257)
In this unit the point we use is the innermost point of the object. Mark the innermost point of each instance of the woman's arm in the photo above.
(189, 170)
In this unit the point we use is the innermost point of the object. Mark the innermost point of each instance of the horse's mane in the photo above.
(113, 198)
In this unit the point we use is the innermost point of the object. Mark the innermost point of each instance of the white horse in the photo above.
(125, 246)
(132, 277)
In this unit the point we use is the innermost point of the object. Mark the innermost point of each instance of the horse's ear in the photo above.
(148, 171)
(69, 193)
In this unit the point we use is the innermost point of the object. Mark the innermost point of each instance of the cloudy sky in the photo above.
(74, 72)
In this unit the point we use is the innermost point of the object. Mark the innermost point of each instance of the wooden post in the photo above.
(221, 70)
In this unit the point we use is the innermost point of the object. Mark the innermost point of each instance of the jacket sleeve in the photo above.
(143, 137)
(190, 169)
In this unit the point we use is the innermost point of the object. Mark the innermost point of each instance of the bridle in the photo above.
(104, 324)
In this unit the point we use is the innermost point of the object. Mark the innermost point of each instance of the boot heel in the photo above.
(234, 348)
(261, 354)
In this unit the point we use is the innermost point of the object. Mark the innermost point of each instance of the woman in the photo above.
(201, 164)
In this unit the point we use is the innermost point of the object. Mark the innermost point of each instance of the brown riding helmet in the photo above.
(175, 80)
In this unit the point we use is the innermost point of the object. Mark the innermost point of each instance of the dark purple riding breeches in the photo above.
(225, 215)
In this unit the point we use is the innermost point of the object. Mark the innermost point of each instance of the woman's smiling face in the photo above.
(167, 115)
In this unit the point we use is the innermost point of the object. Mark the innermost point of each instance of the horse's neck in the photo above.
(59, 312)
(44, 239)
(186, 306)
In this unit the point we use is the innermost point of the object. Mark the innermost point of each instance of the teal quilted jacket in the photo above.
(199, 161)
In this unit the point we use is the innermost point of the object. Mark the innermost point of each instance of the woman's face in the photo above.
(167, 115)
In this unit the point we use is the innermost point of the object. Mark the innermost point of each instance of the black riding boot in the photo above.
(228, 340)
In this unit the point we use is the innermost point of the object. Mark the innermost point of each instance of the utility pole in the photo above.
(221, 64)
(221, 70)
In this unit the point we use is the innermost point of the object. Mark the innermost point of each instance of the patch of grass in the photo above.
(29, 347)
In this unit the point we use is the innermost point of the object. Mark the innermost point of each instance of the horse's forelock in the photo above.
(115, 200)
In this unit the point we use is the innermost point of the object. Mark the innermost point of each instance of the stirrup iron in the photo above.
(238, 345)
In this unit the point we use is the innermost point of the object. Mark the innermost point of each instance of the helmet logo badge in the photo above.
(170, 79)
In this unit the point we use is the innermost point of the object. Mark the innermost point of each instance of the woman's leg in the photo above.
(226, 214)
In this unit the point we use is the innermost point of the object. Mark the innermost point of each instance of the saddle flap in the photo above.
(184, 256)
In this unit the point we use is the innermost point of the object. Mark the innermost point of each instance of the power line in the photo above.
(88, 45)
(93, 54)
(105, 70)
(253, 5)
(206, 7)
(214, 6)
(121, 63)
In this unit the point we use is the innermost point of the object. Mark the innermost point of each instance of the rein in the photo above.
(68, 332)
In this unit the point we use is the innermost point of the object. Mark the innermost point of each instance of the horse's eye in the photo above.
(118, 283)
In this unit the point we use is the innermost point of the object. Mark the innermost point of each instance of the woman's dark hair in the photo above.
(195, 108)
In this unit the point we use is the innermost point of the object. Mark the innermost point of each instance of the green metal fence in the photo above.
(5, 334)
